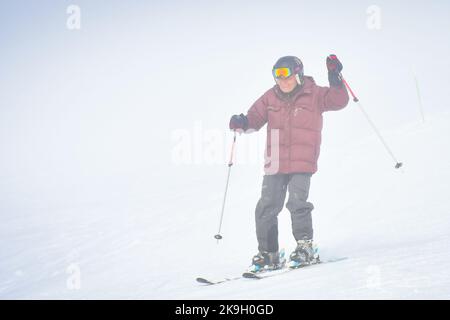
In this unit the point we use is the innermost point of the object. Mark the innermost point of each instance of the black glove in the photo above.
(239, 122)
(334, 67)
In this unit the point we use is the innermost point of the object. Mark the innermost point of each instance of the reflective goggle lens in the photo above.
(281, 72)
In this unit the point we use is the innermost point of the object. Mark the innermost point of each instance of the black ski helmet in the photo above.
(293, 63)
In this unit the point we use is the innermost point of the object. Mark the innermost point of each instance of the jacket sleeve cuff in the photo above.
(335, 80)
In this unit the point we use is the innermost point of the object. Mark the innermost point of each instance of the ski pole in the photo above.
(355, 99)
(230, 164)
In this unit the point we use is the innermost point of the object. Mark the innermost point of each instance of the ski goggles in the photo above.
(281, 72)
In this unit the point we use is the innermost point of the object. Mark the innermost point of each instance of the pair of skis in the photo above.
(264, 274)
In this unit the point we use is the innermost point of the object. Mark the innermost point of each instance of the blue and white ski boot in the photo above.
(305, 254)
(267, 261)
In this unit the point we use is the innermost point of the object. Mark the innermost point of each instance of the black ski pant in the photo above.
(271, 203)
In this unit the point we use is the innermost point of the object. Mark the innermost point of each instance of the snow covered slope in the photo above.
(393, 225)
(148, 236)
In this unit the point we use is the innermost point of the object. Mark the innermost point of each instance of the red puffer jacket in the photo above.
(294, 124)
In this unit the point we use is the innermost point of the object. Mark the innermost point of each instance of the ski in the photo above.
(262, 275)
(268, 274)
(209, 282)
(213, 282)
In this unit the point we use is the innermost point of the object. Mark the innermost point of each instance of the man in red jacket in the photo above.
(293, 111)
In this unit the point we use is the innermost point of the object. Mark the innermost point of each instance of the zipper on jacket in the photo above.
(290, 137)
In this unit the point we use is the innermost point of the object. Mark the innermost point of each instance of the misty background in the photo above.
(93, 120)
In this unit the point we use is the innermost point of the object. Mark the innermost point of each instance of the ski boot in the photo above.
(267, 261)
(305, 254)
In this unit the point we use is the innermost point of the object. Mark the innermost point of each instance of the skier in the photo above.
(293, 111)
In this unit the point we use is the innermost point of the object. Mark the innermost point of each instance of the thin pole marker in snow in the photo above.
(419, 96)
